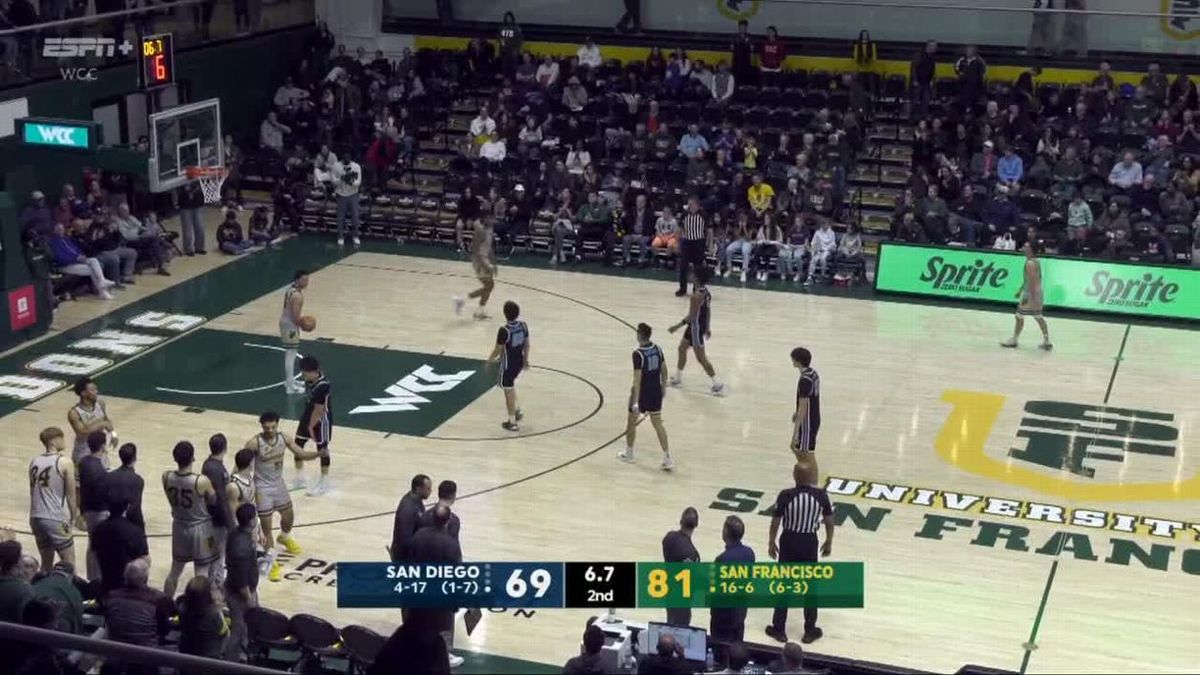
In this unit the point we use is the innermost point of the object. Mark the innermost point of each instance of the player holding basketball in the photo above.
(52, 509)
(512, 353)
(289, 330)
(1030, 300)
(190, 495)
(646, 396)
(483, 260)
(270, 490)
(697, 322)
(316, 423)
(806, 420)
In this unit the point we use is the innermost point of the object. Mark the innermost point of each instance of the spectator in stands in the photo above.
(637, 227)
(481, 129)
(760, 195)
(589, 54)
(771, 56)
(61, 587)
(667, 658)
(493, 149)
(910, 230)
(985, 164)
(1042, 37)
(693, 145)
(666, 231)
(724, 84)
(15, 590)
(381, 157)
(741, 234)
(1001, 215)
(70, 259)
(574, 96)
(1114, 219)
(1079, 214)
(737, 660)
(594, 223)
(241, 580)
(791, 660)
(578, 159)
(822, 248)
(230, 238)
(32, 658)
(589, 661)
(511, 40)
(1126, 173)
(547, 74)
(103, 241)
(791, 254)
(679, 69)
(191, 198)
(934, 214)
(562, 228)
(1144, 199)
(146, 240)
(37, 219)
(271, 133)
(202, 629)
(347, 179)
(850, 251)
(1010, 170)
(136, 614)
(1174, 205)
(972, 76)
(288, 94)
(921, 72)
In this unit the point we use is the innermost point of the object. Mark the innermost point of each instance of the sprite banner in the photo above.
(1071, 283)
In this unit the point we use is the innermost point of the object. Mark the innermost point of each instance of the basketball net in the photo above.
(211, 179)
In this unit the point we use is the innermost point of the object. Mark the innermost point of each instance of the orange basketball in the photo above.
(308, 323)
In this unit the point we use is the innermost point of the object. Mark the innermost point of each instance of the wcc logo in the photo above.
(1076, 436)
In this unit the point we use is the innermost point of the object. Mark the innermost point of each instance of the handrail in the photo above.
(93, 18)
(975, 8)
(135, 653)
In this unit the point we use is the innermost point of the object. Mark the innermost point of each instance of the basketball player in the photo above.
(1030, 297)
(52, 506)
(240, 491)
(270, 491)
(646, 396)
(512, 353)
(483, 259)
(697, 322)
(289, 330)
(190, 495)
(316, 424)
(806, 420)
(87, 415)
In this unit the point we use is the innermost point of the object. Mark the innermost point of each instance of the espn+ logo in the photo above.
(1142, 291)
(970, 278)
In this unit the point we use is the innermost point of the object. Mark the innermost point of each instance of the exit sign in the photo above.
(55, 133)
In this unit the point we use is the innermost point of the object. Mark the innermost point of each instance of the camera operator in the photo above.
(347, 179)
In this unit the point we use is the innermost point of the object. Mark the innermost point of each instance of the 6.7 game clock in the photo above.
(157, 55)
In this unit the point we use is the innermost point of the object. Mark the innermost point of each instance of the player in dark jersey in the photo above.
(649, 383)
(512, 354)
(697, 322)
(316, 423)
(806, 420)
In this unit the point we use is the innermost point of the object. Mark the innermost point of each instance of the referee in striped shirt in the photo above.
(693, 243)
(800, 511)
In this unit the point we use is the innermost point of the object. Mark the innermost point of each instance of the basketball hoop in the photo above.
(211, 178)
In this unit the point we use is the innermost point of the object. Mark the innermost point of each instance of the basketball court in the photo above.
(1015, 509)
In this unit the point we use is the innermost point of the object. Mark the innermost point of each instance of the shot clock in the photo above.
(548, 585)
(157, 58)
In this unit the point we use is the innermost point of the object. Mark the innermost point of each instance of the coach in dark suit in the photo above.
(124, 485)
(408, 517)
(800, 511)
(677, 547)
(729, 624)
(435, 545)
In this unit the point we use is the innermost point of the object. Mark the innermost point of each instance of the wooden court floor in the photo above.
(1014, 509)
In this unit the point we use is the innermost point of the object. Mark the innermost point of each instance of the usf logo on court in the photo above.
(1075, 436)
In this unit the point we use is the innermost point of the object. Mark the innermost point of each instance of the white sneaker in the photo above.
(726, 272)
(743, 276)
(108, 284)
(357, 241)
(455, 661)
(796, 279)
(675, 381)
(553, 260)
(667, 462)
(626, 455)
(105, 295)
(717, 388)
(480, 315)
(341, 242)
(458, 305)
(298, 483)
(808, 281)
(320, 488)
(1009, 343)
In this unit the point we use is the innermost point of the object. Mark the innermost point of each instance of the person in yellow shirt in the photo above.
(761, 195)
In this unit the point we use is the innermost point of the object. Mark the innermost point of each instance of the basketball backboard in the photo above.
(183, 136)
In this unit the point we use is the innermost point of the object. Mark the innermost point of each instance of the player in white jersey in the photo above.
(241, 490)
(289, 330)
(190, 495)
(87, 415)
(52, 506)
(270, 491)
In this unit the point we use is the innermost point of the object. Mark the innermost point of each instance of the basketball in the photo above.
(308, 323)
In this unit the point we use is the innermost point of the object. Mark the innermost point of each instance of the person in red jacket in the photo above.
(381, 156)
(771, 56)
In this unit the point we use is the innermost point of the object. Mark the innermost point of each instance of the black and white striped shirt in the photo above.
(694, 226)
(801, 508)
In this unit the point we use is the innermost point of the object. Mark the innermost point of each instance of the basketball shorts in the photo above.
(194, 543)
(51, 534)
(1030, 306)
(483, 271)
(806, 437)
(289, 334)
(650, 399)
(322, 433)
(272, 497)
(510, 370)
(694, 336)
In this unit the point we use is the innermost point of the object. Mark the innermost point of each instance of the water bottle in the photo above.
(709, 662)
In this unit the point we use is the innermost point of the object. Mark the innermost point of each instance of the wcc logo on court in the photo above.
(1075, 437)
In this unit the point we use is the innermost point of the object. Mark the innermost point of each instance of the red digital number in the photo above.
(160, 68)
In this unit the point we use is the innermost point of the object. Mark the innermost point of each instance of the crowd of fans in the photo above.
(1100, 170)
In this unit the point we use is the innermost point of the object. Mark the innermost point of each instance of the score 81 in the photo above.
(658, 583)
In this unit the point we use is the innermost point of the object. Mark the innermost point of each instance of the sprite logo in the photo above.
(969, 278)
(1131, 292)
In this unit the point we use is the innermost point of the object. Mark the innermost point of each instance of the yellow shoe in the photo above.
(289, 543)
(276, 572)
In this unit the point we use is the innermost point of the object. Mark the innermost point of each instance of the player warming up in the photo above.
(512, 352)
(316, 423)
(270, 491)
(649, 383)
(697, 322)
(291, 322)
(240, 491)
(52, 506)
(87, 415)
(1031, 299)
(806, 420)
(190, 495)
(483, 259)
